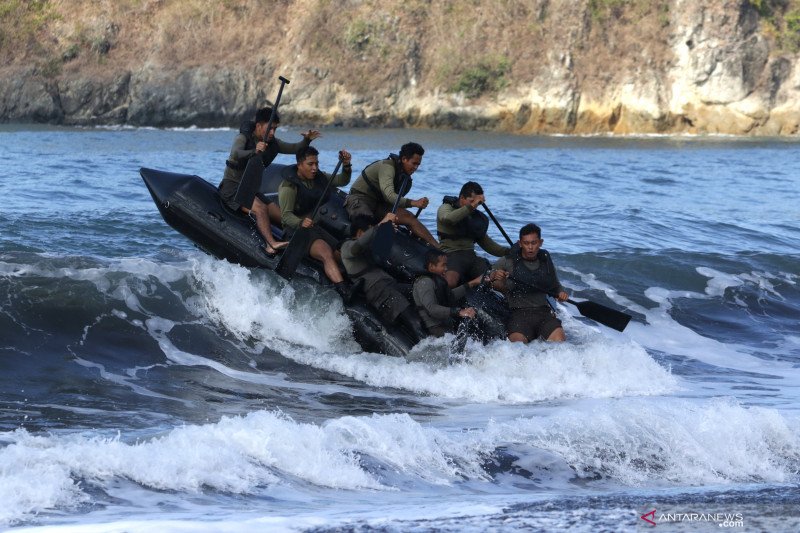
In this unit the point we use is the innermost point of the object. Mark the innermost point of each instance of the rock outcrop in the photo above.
(576, 66)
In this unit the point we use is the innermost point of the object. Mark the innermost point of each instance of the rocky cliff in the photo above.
(537, 66)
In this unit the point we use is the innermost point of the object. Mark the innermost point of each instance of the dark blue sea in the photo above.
(146, 386)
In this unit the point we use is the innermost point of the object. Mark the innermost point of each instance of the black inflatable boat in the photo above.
(193, 207)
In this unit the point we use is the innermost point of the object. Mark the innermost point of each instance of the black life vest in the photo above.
(440, 288)
(399, 176)
(248, 128)
(473, 226)
(543, 279)
(307, 198)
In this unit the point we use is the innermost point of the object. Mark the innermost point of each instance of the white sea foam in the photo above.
(512, 373)
(237, 455)
(630, 442)
(720, 281)
(637, 441)
(316, 333)
(101, 276)
(128, 127)
(267, 309)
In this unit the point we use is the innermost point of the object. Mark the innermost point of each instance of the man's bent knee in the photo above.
(259, 206)
(404, 217)
(557, 335)
(321, 249)
(517, 337)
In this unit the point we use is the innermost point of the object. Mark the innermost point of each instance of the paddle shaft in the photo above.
(274, 111)
(327, 187)
(250, 181)
(497, 223)
(295, 251)
(508, 239)
(554, 295)
(400, 194)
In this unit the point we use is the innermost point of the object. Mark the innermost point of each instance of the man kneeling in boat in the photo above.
(302, 187)
(460, 226)
(438, 304)
(376, 190)
(527, 275)
(380, 289)
(248, 143)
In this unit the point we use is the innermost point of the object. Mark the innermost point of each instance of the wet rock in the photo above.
(27, 97)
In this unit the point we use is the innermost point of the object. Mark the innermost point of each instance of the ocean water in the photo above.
(145, 386)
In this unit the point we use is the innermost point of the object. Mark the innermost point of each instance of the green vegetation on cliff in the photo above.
(781, 22)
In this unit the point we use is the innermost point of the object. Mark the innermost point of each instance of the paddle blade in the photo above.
(383, 242)
(293, 254)
(605, 315)
(251, 182)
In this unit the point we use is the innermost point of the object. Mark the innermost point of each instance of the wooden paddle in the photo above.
(251, 179)
(497, 223)
(384, 236)
(296, 249)
(599, 313)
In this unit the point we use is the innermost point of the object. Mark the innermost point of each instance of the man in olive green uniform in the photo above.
(302, 187)
(460, 226)
(380, 289)
(438, 305)
(248, 143)
(376, 190)
(527, 275)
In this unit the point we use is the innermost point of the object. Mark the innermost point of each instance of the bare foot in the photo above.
(276, 248)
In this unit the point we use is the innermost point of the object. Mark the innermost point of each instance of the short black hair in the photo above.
(263, 114)
(527, 229)
(360, 222)
(432, 256)
(302, 153)
(409, 150)
(470, 188)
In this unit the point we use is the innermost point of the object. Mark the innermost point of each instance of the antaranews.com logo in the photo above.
(652, 517)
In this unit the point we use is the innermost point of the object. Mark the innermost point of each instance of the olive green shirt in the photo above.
(356, 253)
(447, 219)
(380, 175)
(287, 197)
(432, 312)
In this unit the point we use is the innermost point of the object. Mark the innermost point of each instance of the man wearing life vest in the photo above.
(440, 306)
(375, 191)
(249, 143)
(527, 276)
(460, 226)
(302, 187)
(380, 289)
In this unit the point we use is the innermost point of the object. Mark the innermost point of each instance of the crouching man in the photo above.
(440, 306)
(380, 289)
